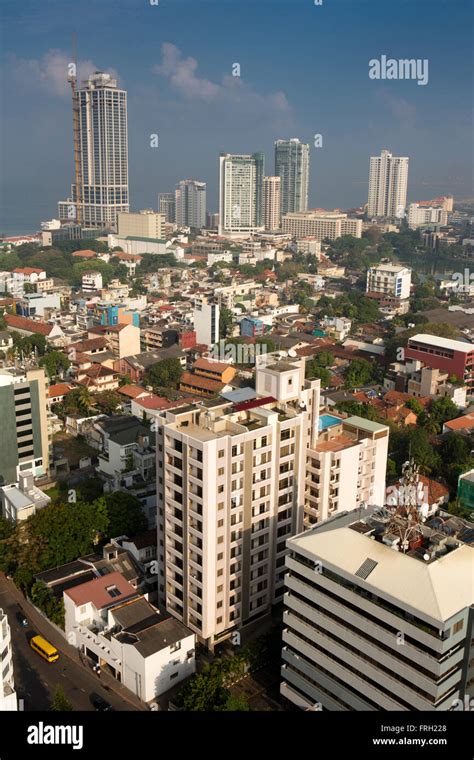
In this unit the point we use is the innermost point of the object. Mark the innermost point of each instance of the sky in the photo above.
(304, 71)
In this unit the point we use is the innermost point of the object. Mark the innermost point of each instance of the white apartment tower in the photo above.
(292, 166)
(231, 491)
(240, 194)
(206, 321)
(103, 154)
(372, 626)
(271, 203)
(190, 200)
(388, 181)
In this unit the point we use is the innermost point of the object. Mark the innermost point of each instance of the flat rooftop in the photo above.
(434, 340)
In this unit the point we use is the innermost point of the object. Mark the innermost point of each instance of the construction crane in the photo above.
(72, 79)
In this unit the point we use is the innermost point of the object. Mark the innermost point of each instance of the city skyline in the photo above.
(188, 96)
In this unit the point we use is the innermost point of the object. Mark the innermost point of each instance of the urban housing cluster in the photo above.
(241, 439)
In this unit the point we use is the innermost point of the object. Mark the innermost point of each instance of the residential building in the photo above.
(320, 225)
(25, 326)
(435, 384)
(378, 613)
(231, 489)
(251, 327)
(145, 224)
(35, 304)
(23, 499)
(206, 321)
(419, 215)
(8, 697)
(103, 155)
(24, 442)
(240, 194)
(167, 206)
(271, 203)
(190, 204)
(112, 625)
(127, 460)
(455, 357)
(292, 166)
(122, 339)
(389, 280)
(309, 245)
(388, 182)
(466, 490)
(91, 282)
(136, 366)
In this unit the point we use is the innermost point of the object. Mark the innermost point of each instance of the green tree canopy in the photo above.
(124, 514)
(55, 364)
(164, 374)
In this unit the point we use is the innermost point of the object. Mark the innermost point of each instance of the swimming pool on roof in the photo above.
(328, 420)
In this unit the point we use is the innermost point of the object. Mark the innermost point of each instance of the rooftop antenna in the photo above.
(72, 79)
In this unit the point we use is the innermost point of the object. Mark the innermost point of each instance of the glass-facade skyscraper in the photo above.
(292, 166)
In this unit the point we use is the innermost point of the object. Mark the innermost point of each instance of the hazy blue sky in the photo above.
(304, 70)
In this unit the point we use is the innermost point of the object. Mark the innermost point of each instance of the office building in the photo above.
(419, 215)
(8, 697)
(271, 203)
(24, 442)
(145, 224)
(292, 166)
(320, 225)
(206, 322)
(240, 194)
(167, 206)
(388, 182)
(389, 280)
(190, 204)
(378, 613)
(453, 356)
(103, 155)
(231, 490)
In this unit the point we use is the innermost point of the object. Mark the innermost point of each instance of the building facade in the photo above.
(320, 225)
(388, 182)
(419, 215)
(389, 280)
(292, 166)
(145, 224)
(103, 148)
(455, 357)
(190, 204)
(240, 193)
(8, 697)
(271, 203)
(206, 322)
(367, 627)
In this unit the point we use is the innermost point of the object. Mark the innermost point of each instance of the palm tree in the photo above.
(84, 399)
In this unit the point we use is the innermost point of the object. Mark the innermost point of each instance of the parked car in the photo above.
(99, 703)
(22, 620)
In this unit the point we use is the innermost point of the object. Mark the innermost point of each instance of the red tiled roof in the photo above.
(133, 391)
(460, 423)
(89, 344)
(60, 389)
(155, 402)
(211, 366)
(95, 591)
(85, 254)
(28, 270)
(201, 383)
(29, 325)
(98, 370)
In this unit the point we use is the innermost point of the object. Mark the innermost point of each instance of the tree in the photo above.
(442, 410)
(78, 400)
(312, 369)
(55, 363)
(124, 513)
(164, 374)
(235, 703)
(43, 598)
(60, 702)
(107, 401)
(414, 405)
(225, 321)
(358, 374)
(106, 270)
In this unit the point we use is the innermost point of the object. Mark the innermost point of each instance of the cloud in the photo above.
(181, 74)
(49, 73)
(400, 108)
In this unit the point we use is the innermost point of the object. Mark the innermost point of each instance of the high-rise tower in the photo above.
(103, 155)
(292, 166)
(388, 180)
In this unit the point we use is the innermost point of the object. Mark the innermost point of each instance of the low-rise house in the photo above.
(52, 332)
(464, 424)
(23, 499)
(58, 392)
(119, 630)
(98, 378)
(136, 366)
(219, 371)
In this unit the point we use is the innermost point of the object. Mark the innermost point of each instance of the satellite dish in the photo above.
(426, 557)
(292, 353)
(282, 354)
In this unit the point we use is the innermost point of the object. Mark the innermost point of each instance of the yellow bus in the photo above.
(44, 648)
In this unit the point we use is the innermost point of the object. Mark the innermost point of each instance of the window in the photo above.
(220, 523)
(220, 556)
(219, 605)
(220, 572)
(219, 620)
(220, 453)
(113, 591)
(83, 609)
(220, 489)
(220, 471)
(173, 675)
(458, 626)
(175, 647)
(220, 505)
(220, 540)
(220, 589)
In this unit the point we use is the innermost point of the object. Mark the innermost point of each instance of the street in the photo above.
(36, 679)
